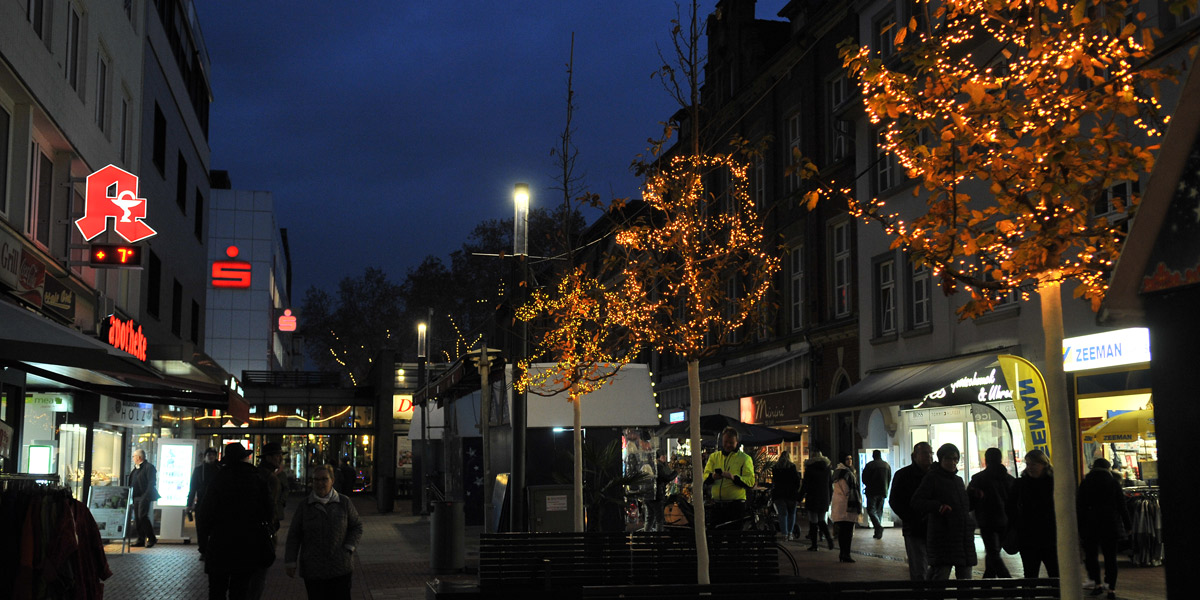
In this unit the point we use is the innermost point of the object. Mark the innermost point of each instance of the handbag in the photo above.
(853, 505)
(1011, 541)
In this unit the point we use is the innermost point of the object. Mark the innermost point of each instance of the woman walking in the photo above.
(785, 485)
(1103, 521)
(1032, 513)
(322, 539)
(816, 490)
(847, 504)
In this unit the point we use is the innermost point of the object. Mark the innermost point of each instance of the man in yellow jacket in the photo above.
(731, 473)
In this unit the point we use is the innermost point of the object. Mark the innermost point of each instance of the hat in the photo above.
(270, 449)
(235, 451)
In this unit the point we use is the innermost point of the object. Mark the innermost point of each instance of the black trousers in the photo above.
(1091, 560)
(141, 518)
(229, 586)
(993, 562)
(1032, 559)
(337, 588)
(845, 533)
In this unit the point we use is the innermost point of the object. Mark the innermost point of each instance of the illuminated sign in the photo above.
(678, 416)
(112, 256)
(175, 472)
(231, 273)
(287, 322)
(1108, 349)
(125, 414)
(124, 335)
(402, 407)
(113, 193)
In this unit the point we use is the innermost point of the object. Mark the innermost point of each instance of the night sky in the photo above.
(387, 129)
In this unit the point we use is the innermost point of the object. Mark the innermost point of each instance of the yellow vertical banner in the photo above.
(1029, 397)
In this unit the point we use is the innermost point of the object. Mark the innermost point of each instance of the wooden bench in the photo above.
(978, 589)
(954, 588)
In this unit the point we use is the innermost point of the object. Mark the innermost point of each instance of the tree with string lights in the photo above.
(1015, 118)
(697, 268)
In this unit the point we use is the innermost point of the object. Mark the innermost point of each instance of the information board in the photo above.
(175, 463)
(110, 506)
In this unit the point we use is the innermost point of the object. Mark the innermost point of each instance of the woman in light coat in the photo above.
(321, 540)
(846, 505)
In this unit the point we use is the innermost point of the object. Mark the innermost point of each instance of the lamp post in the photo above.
(521, 251)
(426, 459)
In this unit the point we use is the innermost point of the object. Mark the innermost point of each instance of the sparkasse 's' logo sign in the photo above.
(112, 192)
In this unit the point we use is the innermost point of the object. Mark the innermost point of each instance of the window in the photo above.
(195, 335)
(5, 124)
(920, 285)
(885, 164)
(153, 282)
(73, 53)
(181, 184)
(123, 130)
(885, 34)
(199, 216)
(102, 92)
(176, 307)
(35, 12)
(885, 296)
(41, 195)
(797, 287)
(840, 139)
(160, 141)
(793, 136)
(840, 251)
(1115, 199)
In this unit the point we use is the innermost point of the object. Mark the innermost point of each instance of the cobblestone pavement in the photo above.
(392, 563)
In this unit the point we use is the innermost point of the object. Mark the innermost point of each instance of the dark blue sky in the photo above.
(387, 129)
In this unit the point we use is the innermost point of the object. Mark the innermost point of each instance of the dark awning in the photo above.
(31, 338)
(911, 385)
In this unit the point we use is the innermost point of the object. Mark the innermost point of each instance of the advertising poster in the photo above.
(175, 462)
(110, 505)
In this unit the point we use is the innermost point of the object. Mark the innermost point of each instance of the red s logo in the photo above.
(231, 273)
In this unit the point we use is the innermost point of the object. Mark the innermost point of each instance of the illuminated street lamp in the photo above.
(521, 219)
(426, 459)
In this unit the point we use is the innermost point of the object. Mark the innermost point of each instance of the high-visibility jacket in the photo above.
(740, 465)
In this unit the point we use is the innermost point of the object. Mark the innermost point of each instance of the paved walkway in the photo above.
(392, 563)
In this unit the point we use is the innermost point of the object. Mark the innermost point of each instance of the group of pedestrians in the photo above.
(238, 510)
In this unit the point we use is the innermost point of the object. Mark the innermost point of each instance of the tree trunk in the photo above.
(577, 434)
(693, 366)
(1062, 442)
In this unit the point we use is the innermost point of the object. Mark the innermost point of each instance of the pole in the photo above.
(426, 459)
(485, 417)
(520, 404)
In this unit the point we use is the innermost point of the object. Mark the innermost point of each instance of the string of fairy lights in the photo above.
(1062, 117)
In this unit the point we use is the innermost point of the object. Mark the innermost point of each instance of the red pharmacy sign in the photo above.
(112, 192)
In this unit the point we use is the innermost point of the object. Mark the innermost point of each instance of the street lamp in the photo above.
(426, 459)
(520, 400)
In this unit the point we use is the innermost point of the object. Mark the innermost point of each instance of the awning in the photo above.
(29, 337)
(947, 382)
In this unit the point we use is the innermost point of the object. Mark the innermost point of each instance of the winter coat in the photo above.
(322, 537)
(1031, 511)
(737, 463)
(785, 482)
(1101, 507)
(144, 480)
(949, 536)
(904, 485)
(845, 492)
(817, 486)
(235, 509)
(876, 477)
(989, 492)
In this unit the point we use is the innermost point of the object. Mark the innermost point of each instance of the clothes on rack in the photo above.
(1146, 547)
(50, 546)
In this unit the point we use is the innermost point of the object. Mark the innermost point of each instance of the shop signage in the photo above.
(402, 407)
(124, 335)
(287, 322)
(1029, 400)
(773, 409)
(112, 192)
(678, 416)
(1108, 349)
(58, 299)
(63, 403)
(10, 259)
(125, 414)
(231, 273)
(31, 279)
(982, 388)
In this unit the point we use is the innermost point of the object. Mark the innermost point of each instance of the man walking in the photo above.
(876, 478)
(950, 531)
(269, 460)
(731, 473)
(989, 491)
(144, 480)
(202, 476)
(904, 485)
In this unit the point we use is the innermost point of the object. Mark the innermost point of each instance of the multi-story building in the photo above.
(99, 360)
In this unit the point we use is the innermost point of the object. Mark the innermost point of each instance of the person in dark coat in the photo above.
(785, 488)
(904, 485)
(236, 507)
(817, 490)
(1031, 511)
(202, 476)
(876, 477)
(664, 475)
(950, 532)
(144, 481)
(989, 491)
(1103, 521)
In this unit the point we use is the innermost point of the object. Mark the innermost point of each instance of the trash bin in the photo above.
(447, 550)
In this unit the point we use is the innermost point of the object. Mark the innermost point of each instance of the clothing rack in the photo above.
(1146, 547)
(15, 480)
